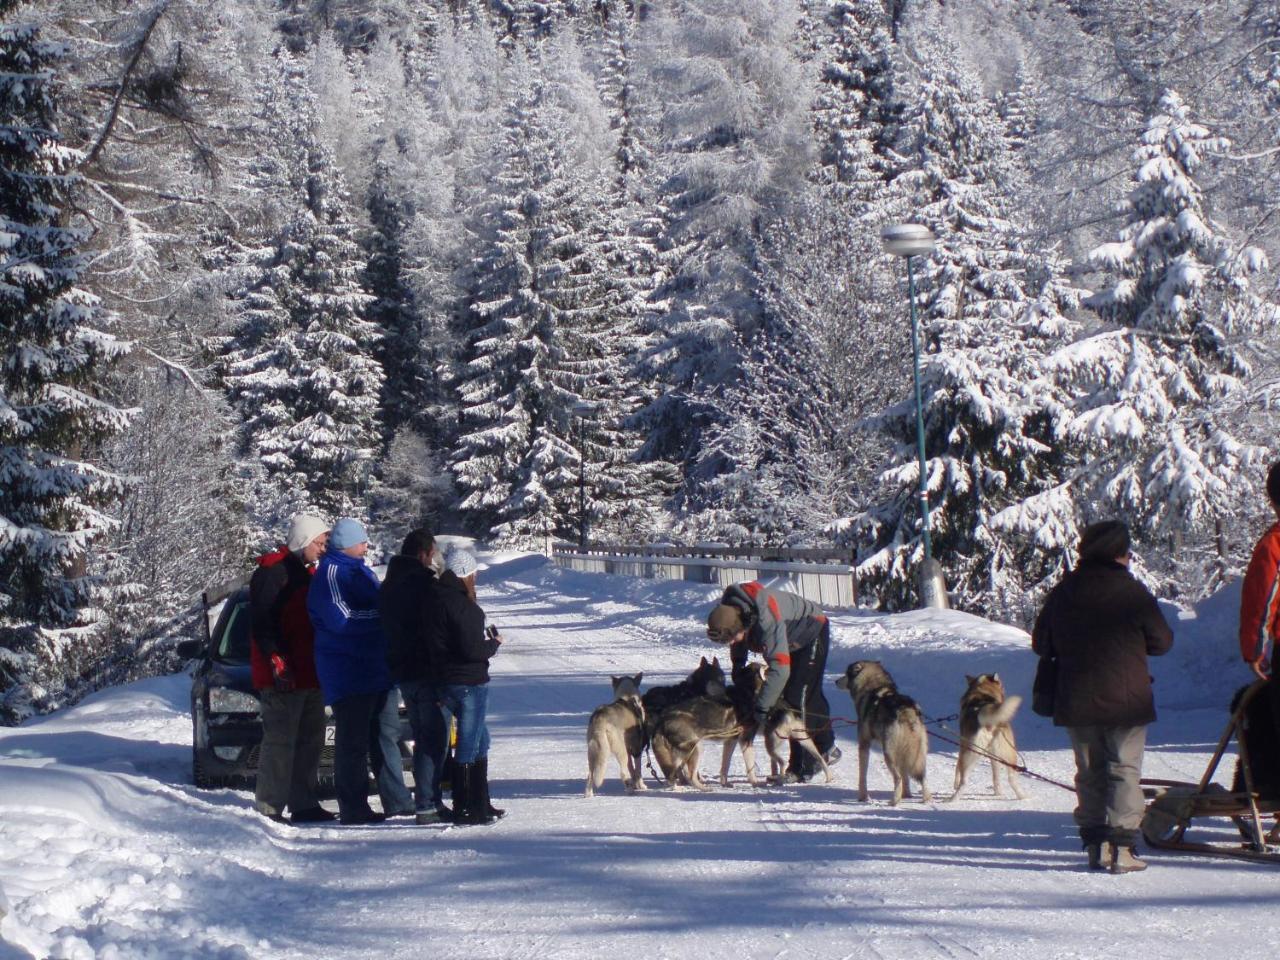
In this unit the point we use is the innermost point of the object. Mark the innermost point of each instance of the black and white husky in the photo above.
(893, 722)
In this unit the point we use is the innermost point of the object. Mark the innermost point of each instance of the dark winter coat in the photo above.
(278, 621)
(459, 649)
(1101, 624)
(351, 652)
(408, 590)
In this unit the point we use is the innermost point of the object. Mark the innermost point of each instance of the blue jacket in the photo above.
(351, 651)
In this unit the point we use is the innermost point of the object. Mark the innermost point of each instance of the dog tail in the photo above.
(908, 741)
(998, 714)
(597, 758)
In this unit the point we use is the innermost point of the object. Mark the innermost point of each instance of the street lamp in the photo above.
(582, 410)
(908, 240)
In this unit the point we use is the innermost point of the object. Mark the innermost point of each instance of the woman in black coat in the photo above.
(460, 649)
(1100, 625)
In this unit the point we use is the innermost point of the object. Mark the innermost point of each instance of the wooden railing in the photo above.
(825, 576)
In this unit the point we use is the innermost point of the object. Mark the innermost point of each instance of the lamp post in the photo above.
(908, 240)
(582, 410)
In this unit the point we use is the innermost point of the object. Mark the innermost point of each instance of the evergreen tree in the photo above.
(857, 114)
(55, 350)
(1151, 389)
(734, 138)
(990, 311)
(300, 370)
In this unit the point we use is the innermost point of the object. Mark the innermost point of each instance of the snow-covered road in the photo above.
(106, 851)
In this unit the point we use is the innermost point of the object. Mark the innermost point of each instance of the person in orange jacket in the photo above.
(1260, 596)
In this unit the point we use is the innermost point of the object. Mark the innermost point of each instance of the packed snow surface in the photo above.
(107, 851)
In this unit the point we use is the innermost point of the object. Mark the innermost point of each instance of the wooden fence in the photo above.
(825, 576)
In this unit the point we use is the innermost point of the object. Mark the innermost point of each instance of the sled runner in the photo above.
(1175, 804)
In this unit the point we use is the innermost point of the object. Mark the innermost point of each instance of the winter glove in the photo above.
(281, 673)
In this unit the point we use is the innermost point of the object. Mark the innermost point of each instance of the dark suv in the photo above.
(225, 719)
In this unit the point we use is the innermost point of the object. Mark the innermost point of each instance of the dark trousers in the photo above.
(358, 739)
(292, 738)
(804, 692)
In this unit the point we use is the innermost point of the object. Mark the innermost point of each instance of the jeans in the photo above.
(384, 750)
(430, 742)
(467, 703)
(363, 722)
(1109, 798)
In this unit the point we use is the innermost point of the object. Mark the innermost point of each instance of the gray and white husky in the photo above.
(617, 729)
(892, 721)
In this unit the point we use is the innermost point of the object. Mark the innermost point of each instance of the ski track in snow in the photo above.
(107, 852)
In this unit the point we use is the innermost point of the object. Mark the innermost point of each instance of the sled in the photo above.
(1175, 804)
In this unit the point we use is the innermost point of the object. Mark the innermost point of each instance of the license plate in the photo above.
(328, 736)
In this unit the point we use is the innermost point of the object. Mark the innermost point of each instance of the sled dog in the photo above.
(726, 714)
(892, 721)
(986, 715)
(657, 699)
(784, 725)
(617, 729)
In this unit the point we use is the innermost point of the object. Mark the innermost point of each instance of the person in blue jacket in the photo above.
(351, 662)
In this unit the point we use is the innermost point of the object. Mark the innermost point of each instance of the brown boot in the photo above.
(1123, 860)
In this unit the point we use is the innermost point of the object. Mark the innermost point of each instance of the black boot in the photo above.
(482, 766)
(470, 801)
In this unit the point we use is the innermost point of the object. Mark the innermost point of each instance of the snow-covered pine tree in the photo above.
(857, 114)
(54, 349)
(545, 381)
(773, 462)
(734, 139)
(300, 369)
(1151, 389)
(990, 311)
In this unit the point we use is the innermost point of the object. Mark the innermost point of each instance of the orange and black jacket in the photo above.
(1260, 599)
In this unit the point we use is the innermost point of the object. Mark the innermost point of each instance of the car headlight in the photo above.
(226, 700)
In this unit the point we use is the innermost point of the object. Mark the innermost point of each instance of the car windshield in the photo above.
(233, 643)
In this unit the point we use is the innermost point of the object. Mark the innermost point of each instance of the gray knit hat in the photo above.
(461, 561)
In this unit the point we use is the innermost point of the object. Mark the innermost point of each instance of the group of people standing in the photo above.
(325, 632)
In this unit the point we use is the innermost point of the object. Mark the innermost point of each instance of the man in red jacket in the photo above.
(1260, 596)
(282, 659)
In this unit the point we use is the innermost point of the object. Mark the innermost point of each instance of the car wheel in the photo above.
(202, 779)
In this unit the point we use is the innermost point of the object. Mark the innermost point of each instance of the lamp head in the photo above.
(907, 239)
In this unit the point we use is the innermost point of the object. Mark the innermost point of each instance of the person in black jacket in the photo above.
(1100, 625)
(461, 647)
(405, 603)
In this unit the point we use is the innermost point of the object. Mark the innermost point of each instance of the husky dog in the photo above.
(893, 721)
(985, 717)
(726, 714)
(784, 725)
(657, 699)
(617, 728)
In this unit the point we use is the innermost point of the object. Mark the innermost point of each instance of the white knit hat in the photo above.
(461, 561)
(305, 528)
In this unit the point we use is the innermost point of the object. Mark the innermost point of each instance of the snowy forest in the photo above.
(456, 261)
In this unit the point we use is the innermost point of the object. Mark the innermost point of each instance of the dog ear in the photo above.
(702, 663)
(636, 679)
(715, 662)
(970, 680)
(995, 677)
